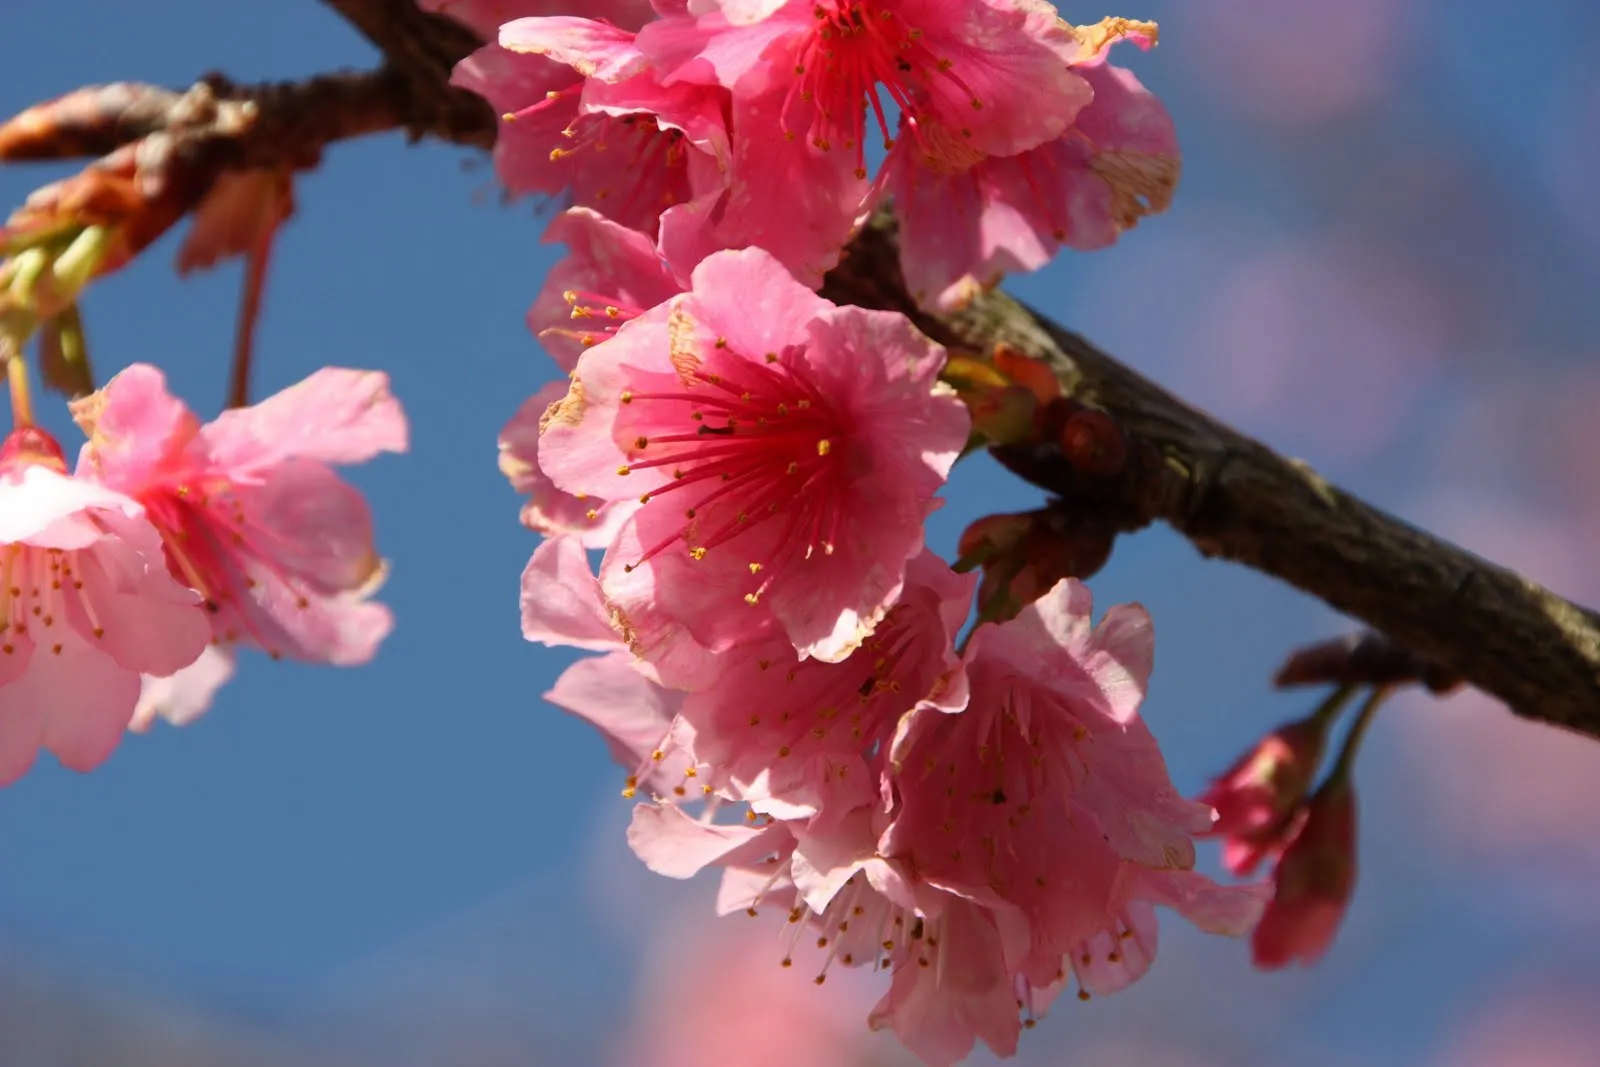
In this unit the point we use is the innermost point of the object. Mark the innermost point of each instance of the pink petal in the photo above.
(594, 523)
(137, 430)
(593, 49)
(182, 697)
(631, 712)
(561, 601)
(337, 416)
(673, 844)
(88, 699)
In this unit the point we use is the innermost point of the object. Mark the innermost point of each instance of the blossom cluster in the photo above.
(128, 583)
(723, 124)
(780, 663)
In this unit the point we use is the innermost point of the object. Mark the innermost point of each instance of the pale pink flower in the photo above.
(248, 507)
(786, 452)
(86, 606)
(811, 739)
(950, 985)
(804, 76)
(184, 696)
(1312, 883)
(611, 274)
(582, 115)
(1048, 784)
(1258, 796)
(966, 219)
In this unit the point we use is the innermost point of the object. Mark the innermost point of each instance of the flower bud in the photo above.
(1312, 884)
(1257, 796)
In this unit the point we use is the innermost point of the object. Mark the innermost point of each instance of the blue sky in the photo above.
(326, 838)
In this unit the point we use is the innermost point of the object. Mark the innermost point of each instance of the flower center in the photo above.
(208, 534)
(756, 447)
(856, 46)
(35, 584)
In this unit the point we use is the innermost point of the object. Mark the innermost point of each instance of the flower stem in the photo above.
(1330, 708)
(17, 378)
(1358, 729)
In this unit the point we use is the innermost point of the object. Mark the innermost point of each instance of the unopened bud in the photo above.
(1092, 442)
(1313, 882)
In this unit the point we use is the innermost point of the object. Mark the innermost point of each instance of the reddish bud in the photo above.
(1312, 884)
(31, 446)
(1257, 797)
(1093, 443)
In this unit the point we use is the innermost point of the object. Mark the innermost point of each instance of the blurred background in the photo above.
(1383, 258)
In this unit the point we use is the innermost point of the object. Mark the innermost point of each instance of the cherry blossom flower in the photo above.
(949, 983)
(967, 219)
(804, 76)
(785, 452)
(248, 508)
(1047, 792)
(811, 739)
(1312, 883)
(86, 606)
(610, 274)
(583, 116)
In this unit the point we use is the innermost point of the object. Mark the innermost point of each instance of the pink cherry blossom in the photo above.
(967, 219)
(248, 507)
(1048, 784)
(610, 274)
(949, 983)
(1312, 883)
(86, 606)
(582, 115)
(785, 451)
(798, 740)
(805, 76)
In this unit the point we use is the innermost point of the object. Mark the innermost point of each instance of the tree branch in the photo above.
(1235, 498)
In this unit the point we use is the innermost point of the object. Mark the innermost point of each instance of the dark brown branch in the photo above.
(1237, 499)
(423, 48)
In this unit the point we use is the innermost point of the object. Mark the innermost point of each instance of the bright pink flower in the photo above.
(1312, 884)
(249, 510)
(786, 452)
(805, 75)
(1048, 783)
(811, 739)
(610, 275)
(1258, 796)
(967, 219)
(583, 115)
(184, 696)
(86, 606)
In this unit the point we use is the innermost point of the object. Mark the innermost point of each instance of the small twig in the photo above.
(1365, 659)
